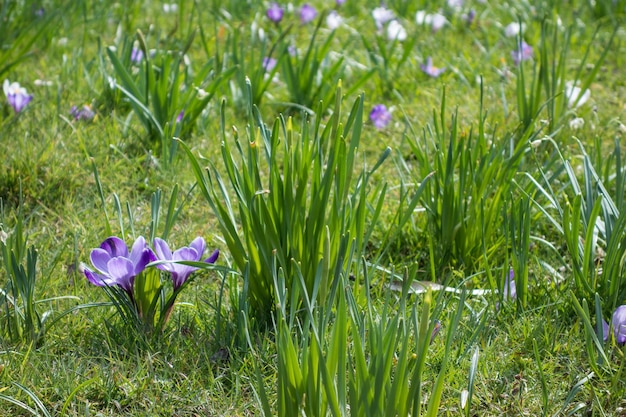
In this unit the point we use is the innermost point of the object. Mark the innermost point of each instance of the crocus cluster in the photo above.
(17, 96)
(116, 266)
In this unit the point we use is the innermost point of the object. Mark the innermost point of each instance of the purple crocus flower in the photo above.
(275, 13)
(180, 116)
(193, 252)
(82, 113)
(136, 56)
(469, 17)
(17, 96)
(619, 324)
(380, 116)
(269, 64)
(340, 2)
(510, 291)
(523, 53)
(115, 266)
(430, 70)
(307, 13)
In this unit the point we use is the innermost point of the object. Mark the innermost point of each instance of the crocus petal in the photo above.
(144, 259)
(100, 258)
(162, 249)
(115, 246)
(211, 259)
(137, 250)
(619, 324)
(122, 272)
(98, 279)
(185, 254)
(199, 245)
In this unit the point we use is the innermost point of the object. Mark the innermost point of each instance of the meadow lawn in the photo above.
(340, 207)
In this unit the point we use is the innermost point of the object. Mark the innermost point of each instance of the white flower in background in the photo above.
(42, 83)
(422, 18)
(170, 8)
(574, 96)
(576, 123)
(333, 20)
(381, 16)
(395, 31)
(438, 21)
(513, 29)
(455, 4)
(435, 20)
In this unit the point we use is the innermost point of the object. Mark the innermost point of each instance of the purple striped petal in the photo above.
(138, 248)
(162, 249)
(145, 258)
(98, 279)
(185, 254)
(100, 258)
(211, 259)
(199, 245)
(115, 246)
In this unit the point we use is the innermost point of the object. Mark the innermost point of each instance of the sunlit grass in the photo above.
(537, 355)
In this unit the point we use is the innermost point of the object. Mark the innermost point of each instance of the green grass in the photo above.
(487, 163)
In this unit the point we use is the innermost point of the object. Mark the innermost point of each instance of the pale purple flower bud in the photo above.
(269, 64)
(275, 13)
(136, 56)
(307, 13)
(340, 2)
(429, 69)
(180, 116)
(380, 116)
(523, 53)
(510, 291)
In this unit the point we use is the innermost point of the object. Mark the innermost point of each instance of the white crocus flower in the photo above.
(395, 31)
(574, 97)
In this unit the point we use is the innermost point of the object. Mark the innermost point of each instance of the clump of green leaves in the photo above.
(21, 316)
(296, 198)
(163, 92)
(471, 176)
(344, 358)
